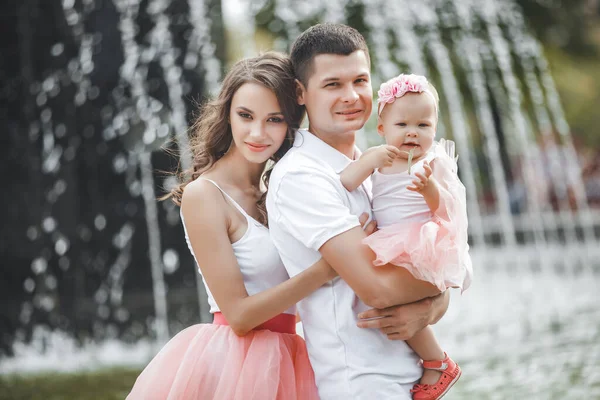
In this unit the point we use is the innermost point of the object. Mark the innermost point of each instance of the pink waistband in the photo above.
(282, 323)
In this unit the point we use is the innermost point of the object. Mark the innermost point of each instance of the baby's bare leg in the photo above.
(427, 347)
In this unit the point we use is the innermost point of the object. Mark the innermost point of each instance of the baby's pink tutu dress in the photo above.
(209, 361)
(431, 246)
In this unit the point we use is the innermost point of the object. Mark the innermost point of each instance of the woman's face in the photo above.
(257, 123)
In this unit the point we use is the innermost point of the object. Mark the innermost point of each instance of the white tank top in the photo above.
(256, 255)
(393, 202)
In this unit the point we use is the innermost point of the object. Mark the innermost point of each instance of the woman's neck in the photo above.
(239, 172)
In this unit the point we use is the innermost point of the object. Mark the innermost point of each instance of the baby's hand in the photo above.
(423, 182)
(380, 156)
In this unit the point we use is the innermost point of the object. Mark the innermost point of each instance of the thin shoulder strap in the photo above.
(235, 203)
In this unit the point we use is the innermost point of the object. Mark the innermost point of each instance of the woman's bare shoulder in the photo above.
(202, 198)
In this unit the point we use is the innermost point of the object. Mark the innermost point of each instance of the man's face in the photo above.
(338, 97)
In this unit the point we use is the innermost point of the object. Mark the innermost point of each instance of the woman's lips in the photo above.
(257, 148)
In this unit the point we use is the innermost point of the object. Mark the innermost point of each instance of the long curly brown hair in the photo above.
(211, 135)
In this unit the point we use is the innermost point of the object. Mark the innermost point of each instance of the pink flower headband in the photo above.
(397, 87)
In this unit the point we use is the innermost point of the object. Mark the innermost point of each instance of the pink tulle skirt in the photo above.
(209, 361)
(437, 250)
(429, 251)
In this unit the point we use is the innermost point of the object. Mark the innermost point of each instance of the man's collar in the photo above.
(317, 148)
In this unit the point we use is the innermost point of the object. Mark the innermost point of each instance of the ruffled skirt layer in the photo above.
(209, 361)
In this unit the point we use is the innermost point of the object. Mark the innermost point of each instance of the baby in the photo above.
(420, 208)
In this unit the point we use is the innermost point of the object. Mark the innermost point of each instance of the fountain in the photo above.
(101, 265)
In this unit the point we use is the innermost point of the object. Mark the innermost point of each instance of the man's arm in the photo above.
(378, 287)
(320, 220)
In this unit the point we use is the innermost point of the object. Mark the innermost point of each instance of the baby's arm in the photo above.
(427, 186)
(375, 157)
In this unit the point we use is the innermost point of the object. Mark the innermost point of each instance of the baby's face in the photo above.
(409, 123)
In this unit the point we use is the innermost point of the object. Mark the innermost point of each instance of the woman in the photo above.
(251, 350)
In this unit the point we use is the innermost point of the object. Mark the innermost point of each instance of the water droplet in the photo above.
(93, 93)
(101, 296)
(85, 233)
(39, 265)
(135, 188)
(103, 312)
(41, 99)
(149, 136)
(170, 261)
(29, 285)
(69, 154)
(162, 131)
(120, 163)
(49, 224)
(100, 222)
(46, 115)
(60, 186)
(64, 263)
(61, 246)
(48, 84)
(46, 303)
(26, 311)
(122, 315)
(60, 130)
(51, 282)
(79, 99)
(57, 49)
(33, 233)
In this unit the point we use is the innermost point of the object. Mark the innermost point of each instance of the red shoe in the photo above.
(450, 374)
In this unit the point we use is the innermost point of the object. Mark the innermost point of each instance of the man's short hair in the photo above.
(324, 39)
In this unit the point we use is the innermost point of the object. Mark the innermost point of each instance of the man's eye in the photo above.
(361, 80)
(332, 84)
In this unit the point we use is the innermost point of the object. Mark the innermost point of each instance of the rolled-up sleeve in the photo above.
(311, 207)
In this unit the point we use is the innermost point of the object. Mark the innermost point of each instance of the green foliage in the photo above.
(102, 385)
(567, 24)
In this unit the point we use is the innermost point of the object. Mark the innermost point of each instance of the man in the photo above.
(311, 216)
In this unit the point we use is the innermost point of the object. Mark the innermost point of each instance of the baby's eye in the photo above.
(423, 125)
(401, 124)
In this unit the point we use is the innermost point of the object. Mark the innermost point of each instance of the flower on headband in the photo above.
(397, 87)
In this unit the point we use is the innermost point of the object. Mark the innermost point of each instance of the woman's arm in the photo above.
(205, 214)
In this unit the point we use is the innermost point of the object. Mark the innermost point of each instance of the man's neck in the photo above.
(343, 143)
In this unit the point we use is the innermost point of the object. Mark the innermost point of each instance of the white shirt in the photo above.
(307, 206)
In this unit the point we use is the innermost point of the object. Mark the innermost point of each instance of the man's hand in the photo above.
(370, 227)
(404, 321)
